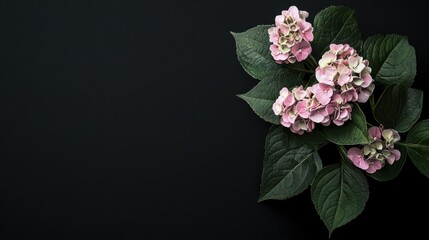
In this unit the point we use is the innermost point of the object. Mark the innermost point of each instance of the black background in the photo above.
(119, 120)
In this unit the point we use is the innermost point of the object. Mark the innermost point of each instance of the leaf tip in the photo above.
(235, 35)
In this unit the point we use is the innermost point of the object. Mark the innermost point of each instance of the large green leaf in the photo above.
(311, 138)
(335, 24)
(389, 172)
(399, 107)
(392, 59)
(339, 193)
(253, 52)
(417, 144)
(289, 166)
(263, 95)
(353, 132)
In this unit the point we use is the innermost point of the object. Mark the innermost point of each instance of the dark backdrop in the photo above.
(119, 120)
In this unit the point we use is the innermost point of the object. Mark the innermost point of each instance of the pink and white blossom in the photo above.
(381, 149)
(291, 36)
(348, 73)
(343, 77)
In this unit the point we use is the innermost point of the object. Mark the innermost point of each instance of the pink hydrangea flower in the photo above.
(343, 77)
(300, 93)
(302, 125)
(341, 111)
(301, 109)
(301, 50)
(291, 36)
(323, 92)
(365, 93)
(381, 149)
(326, 75)
(356, 156)
(294, 109)
(347, 72)
(349, 93)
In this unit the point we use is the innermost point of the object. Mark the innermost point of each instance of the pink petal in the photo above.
(327, 58)
(336, 47)
(299, 93)
(397, 154)
(310, 126)
(280, 19)
(306, 30)
(284, 92)
(363, 96)
(350, 95)
(326, 75)
(308, 35)
(317, 117)
(356, 156)
(323, 93)
(374, 166)
(338, 122)
(289, 100)
(294, 12)
(285, 121)
(281, 56)
(343, 79)
(274, 35)
(274, 49)
(366, 77)
(301, 50)
(374, 133)
(284, 29)
(302, 109)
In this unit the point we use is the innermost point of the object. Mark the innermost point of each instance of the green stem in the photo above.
(412, 145)
(372, 103)
(342, 151)
(322, 145)
(313, 61)
(301, 70)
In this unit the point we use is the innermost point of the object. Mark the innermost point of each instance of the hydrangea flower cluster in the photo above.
(330, 91)
(291, 36)
(341, 70)
(343, 77)
(373, 156)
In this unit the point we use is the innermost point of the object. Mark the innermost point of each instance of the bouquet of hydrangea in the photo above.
(320, 84)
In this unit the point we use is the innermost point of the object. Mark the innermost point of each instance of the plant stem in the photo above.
(313, 61)
(372, 103)
(408, 145)
(301, 70)
(322, 145)
(342, 151)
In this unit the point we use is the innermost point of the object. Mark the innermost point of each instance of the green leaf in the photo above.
(335, 24)
(314, 138)
(392, 59)
(417, 144)
(339, 193)
(289, 166)
(389, 172)
(263, 95)
(353, 132)
(253, 52)
(399, 107)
